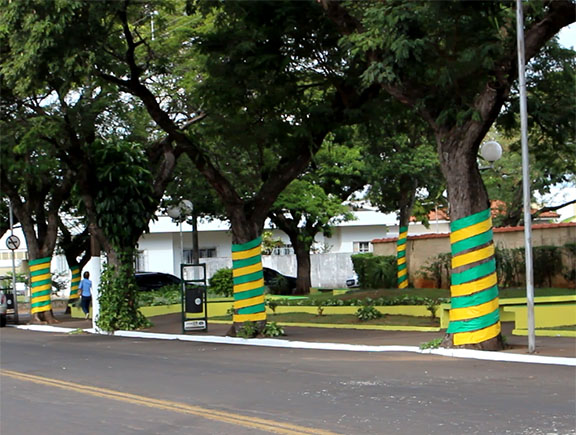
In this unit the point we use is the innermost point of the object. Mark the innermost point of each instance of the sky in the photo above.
(567, 36)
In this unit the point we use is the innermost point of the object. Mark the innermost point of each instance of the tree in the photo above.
(403, 172)
(552, 132)
(92, 131)
(268, 76)
(189, 184)
(313, 203)
(454, 63)
(36, 184)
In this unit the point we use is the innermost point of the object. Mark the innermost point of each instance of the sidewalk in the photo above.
(549, 350)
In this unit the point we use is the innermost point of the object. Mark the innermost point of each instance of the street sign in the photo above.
(12, 242)
(191, 325)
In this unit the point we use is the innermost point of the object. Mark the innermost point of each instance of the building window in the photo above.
(140, 261)
(204, 253)
(283, 250)
(362, 247)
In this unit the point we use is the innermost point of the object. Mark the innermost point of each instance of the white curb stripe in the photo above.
(287, 344)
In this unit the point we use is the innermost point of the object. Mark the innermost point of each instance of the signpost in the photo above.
(194, 297)
(12, 242)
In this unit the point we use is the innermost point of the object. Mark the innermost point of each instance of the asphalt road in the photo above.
(90, 384)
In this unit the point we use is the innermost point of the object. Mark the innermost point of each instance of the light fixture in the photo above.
(491, 151)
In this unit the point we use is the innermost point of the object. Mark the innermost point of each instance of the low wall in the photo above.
(423, 248)
(326, 270)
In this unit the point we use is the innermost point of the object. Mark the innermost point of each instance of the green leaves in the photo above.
(123, 185)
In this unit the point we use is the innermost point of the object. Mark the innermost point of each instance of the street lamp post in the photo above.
(179, 213)
(525, 177)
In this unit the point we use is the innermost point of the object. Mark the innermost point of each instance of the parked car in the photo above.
(148, 281)
(3, 309)
(278, 283)
(352, 282)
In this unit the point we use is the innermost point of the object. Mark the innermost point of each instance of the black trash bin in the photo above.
(194, 299)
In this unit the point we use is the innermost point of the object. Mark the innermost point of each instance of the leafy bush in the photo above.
(432, 306)
(272, 304)
(167, 295)
(383, 301)
(438, 270)
(222, 282)
(375, 271)
(247, 330)
(368, 312)
(432, 344)
(273, 330)
(510, 266)
(119, 300)
(278, 285)
(547, 264)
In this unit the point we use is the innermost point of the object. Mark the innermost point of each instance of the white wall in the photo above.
(327, 270)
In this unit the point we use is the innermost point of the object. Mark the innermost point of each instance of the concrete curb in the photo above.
(270, 342)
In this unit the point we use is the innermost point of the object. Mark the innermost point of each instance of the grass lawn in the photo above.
(347, 319)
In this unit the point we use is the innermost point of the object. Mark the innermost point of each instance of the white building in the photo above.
(164, 247)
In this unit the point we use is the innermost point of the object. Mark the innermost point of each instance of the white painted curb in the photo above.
(270, 342)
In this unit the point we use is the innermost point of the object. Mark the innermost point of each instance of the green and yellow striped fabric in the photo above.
(401, 258)
(249, 305)
(40, 285)
(74, 283)
(474, 314)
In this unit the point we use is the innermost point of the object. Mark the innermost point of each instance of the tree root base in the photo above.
(494, 344)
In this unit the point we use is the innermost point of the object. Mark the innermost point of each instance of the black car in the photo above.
(278, 283)
(148, 281)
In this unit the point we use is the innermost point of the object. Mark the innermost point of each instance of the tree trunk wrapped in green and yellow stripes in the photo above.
(401, 258)
(249, 305)
(74, 283)
(40, 285)
(474, 314)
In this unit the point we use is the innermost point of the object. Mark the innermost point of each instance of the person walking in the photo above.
(85, 288)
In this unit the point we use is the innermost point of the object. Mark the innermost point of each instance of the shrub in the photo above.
(222, 282)
(167, 295)
(247, 330)
(547, 264)
(432, 344)
(272, 304)
(273, 330)
(432, 306)
(278, 285)
(375, 271)
(119, 300)
(438, 270)
(368, 312)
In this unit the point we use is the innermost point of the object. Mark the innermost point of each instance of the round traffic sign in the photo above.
(12, 242)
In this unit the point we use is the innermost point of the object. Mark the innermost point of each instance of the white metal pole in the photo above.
(181, 245)
(525, 177)
(14, 294)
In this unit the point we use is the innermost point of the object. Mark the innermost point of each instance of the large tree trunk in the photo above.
(406, 203)
(249, 305)
(303, 280)
(474, 316)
